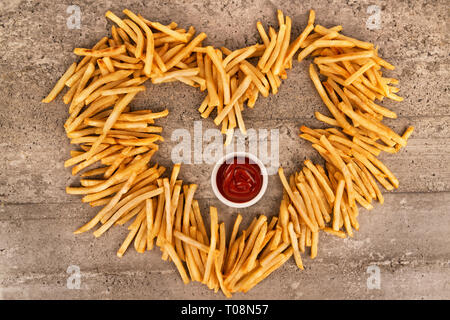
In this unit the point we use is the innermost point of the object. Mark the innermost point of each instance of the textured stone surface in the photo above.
(407, 237)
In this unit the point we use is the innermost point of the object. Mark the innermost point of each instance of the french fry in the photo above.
(108, 52)
(294, 244)
(339, 234)
(279, 62)
(276, 51)
(60, 84)
(337, 205)
(173, 255)
(212, 247)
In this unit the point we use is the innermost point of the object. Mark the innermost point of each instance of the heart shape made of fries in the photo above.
(163, 210)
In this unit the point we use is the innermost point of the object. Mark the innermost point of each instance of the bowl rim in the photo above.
(239, 154)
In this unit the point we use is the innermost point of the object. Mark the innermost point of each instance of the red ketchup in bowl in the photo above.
(239, 180)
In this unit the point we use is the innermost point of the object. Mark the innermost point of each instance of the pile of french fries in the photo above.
(232, 80)
(116, 146)
(236, 266)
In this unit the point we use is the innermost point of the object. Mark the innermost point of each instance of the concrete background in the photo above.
(407, 237)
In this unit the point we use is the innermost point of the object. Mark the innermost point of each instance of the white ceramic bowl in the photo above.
(239, 155)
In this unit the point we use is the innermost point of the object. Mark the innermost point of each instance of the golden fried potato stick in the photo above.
(284, 220)
(74, 109)
(183, 37)
(294, 219)
(122, 90)
(178, 263)
(376, 173)
(219, 275)
(340, 234)
(408, 132)
(346, 218)
(168, 210)
(108, 63)
(324, 42)
(210, 83)
(86, 59)
(297, 43)
(268, 50)
(86, 163)
(221, 70)
(131, 235)
(234, 233)
(177, 227)
(189, 195)
(294, 244)
(276, 51)
(361, 44)
(191, 241)
(110, 77)
(302, 240)
(257, 72)
(362, 189)
(123, 26)
(344, 57)
(197, 253)
(279, 62)
(250, 261)
(262, 33)
(107, 52)
(315, 201)
(233, 264)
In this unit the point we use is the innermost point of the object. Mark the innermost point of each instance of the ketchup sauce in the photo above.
(239, 180)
